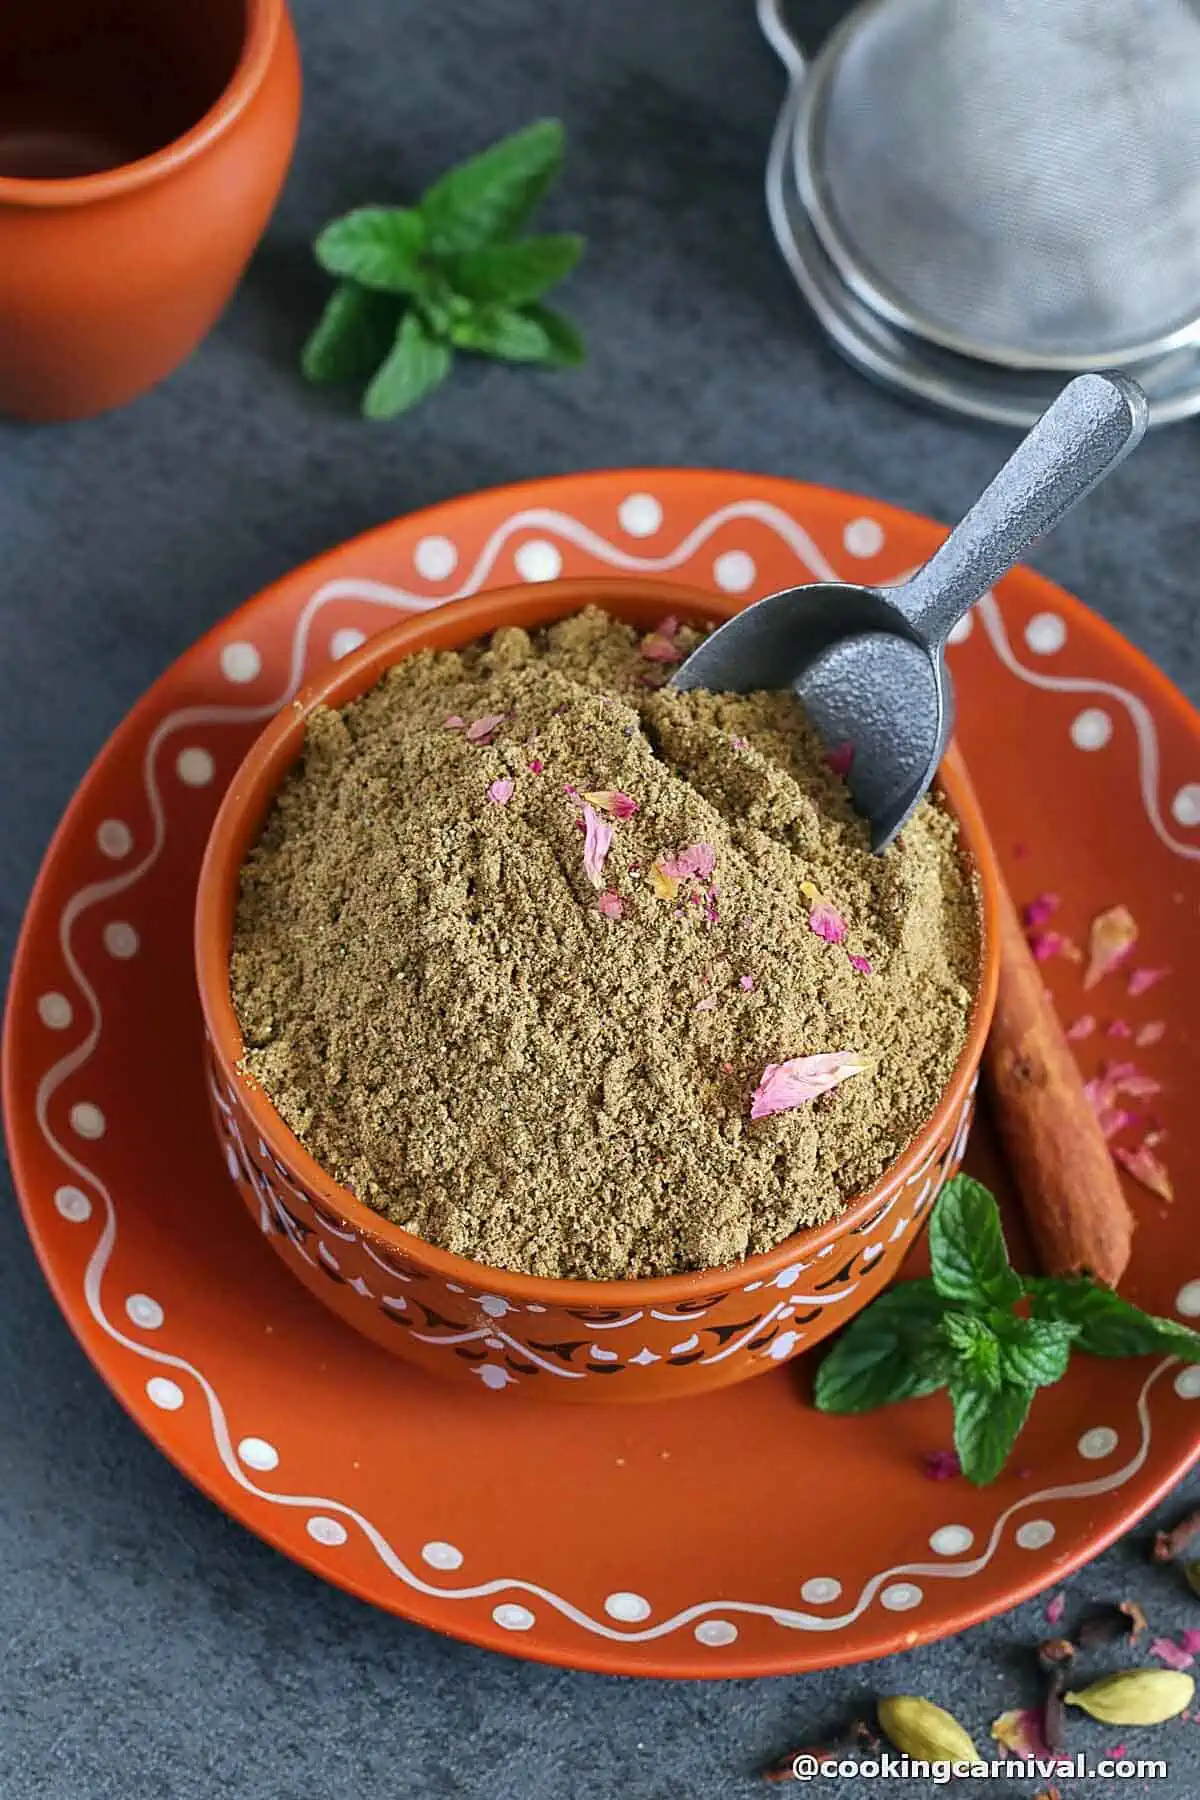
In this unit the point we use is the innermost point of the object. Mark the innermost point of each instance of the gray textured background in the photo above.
(149, 1647)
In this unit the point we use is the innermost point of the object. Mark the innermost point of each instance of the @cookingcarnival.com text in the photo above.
(813, 1766)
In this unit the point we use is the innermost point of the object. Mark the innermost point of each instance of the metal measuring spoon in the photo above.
(868, 663)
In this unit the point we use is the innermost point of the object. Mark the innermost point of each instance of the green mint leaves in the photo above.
(450, 273)
(958, 1330)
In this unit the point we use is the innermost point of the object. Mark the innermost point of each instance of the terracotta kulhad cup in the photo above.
(142, 149)
(561, 1340)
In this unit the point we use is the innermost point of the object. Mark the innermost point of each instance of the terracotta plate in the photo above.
(733, 1534)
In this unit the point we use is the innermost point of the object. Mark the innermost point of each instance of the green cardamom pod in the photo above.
(1136, 1697)
(921, 1729)
(1191, 1571)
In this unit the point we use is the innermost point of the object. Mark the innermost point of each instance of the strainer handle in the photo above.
(1091, 427)
(774, 28)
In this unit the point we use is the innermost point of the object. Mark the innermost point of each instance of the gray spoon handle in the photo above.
(1091, 427)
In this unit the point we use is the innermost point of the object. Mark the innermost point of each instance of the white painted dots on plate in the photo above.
(1187, 1383)
(1098, 1443)
(435, 558)
(120, 939)
(630, 1609)
(256, 1453)
(901, 1596)
(164, 1393)
(952, 1540)
(538, 560)
(1045, 634)
(640, 515)
(324, 1530)
(961, 632)
(863, 537)
(440, 1555)
(144, 1311)
(73, 1204)
(194, 766)
(55, 1010)
(821, 1590)
(344, 641)
(1091, 729)
(1187, 1300)
(114, 838)
(716, 1633)
(87, 1121)
(734, 571)
(240, 662)
(1185, 807)
(512, 1617)
(1036, 1534)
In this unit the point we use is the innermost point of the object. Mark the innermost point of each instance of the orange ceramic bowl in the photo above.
(563, 1340)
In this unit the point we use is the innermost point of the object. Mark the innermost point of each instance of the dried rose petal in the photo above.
(611, 905)
(1021, 1732)
(1147, 1169)
(1164, 1650)
(660, 646)
(860, 964)
(483, 730)
(1150, 1033)
(1190, 1641)
(740, 743)
(697, 859)
(1045, 944)
(840, 758)
(665, 886)
(827, 922)
(1114, 1119)
(1083, 1027)
(942, 1465)
(1056, 1609)
(746, 982)
(801, 1079)
(1118, 1028)
(708, 1004)
(501, 791)
(1113, 935)
(453, 722)
(619, 805)
(536, 765)
(1138, 1087)
(1141, 980)
(597, 841)
(1039, 909)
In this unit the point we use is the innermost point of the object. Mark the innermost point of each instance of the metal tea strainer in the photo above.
(982, 196)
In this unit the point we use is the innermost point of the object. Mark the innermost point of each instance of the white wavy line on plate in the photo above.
(1139, 714)
(377, 593)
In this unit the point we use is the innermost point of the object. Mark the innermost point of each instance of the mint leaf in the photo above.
(566, 348)
(514, 273)
(377, 246)
(491, 196)
(1108, 1325)
(503, 332)
(967, 1248)
(888, 1353)
(976, 1348)
(416, 365)
(1035, 1352)
(353, 336)
(986, 1426)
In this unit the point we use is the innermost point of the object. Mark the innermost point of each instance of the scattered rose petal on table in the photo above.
(1041, 908)
(1021, 1732)
(1164, 1650)
(1141, 980)
(1150, 1033)
(1190, 1640)
(1056, 1609)
(801, 1079)
(1045, 944)
(1083, 1027)
(1147, 1169)
(1113, 935)
(827, 922)
(942, 1465)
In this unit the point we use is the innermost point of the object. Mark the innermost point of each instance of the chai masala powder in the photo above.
(435, 1002)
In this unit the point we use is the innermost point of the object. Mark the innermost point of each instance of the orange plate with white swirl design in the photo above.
(657, 1540)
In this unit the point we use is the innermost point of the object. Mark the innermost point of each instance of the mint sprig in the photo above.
(960, 1330)
(418, 283)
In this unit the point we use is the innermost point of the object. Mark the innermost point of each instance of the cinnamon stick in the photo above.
(1077, 1214)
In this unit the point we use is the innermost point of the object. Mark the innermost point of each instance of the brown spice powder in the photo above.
(437, 1007)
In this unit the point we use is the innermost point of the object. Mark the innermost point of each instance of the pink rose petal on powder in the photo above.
(861, 964)
(501, 791)
(942, 1465)
(740, 743)
(840, 758)
(660, 646)
(1141, 980)
(536, 765)
(611, 905)
(801, 1079)
(1041, 908)
(1113, 935)
(1165, 1651)
(1147, 1169)
(1083, 1027)
(1056, 1609)
(483, 730)
(1150, 1033)
(619, 805)
(708, 1004)
(746, 982)
(698, 859)
(597, 840)
(453, 722)
(827, 922)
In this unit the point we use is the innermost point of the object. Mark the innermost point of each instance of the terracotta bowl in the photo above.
(565, 1340)
(142, 149)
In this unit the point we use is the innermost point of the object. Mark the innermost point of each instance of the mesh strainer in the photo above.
(1014, 181)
